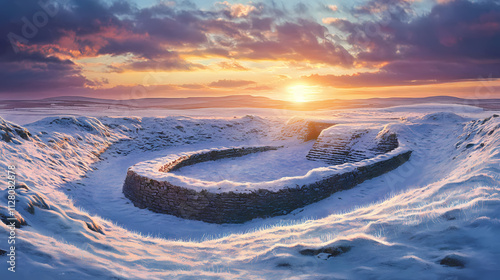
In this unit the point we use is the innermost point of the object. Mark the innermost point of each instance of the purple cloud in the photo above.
(456, 41)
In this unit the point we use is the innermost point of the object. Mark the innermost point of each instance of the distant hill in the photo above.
(244, 101)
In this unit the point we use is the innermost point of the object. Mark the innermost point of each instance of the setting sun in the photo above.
(302, 93)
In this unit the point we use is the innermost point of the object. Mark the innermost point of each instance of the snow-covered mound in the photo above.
(443, 117)
(435, 107)
(74, 124)
(155, 134)
(10, 132)
(436, 217)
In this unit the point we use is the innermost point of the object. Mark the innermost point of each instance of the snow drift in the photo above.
(436, 217)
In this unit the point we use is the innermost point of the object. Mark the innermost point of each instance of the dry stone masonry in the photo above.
(238, 207)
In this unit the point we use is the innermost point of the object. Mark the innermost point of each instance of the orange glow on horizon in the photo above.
(303, 93)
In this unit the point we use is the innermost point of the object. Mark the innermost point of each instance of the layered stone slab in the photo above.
(352, 143)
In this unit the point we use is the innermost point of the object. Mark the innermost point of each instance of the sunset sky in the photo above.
(289, 50)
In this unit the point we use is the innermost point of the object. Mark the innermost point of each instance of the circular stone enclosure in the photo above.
(151, 185)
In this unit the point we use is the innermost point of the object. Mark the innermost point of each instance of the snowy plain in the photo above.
(443, 204)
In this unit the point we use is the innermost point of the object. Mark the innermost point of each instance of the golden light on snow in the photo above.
(303, 93)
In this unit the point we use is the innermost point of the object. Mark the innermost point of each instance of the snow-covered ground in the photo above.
(435, 217)
(284, 162)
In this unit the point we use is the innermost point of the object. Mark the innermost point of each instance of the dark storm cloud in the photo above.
(171, 26)
(455, 30)
(35, 36)
(41, 77)
(458, 40)
(139, 46)
(303, 40)
(76, 28)
(402, 73)
(30, 52)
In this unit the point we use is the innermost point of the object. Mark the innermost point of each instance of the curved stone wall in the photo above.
(238, 207)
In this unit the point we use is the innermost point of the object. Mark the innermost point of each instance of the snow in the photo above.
(434, 107)
(444, 202)
(150, 169)
(284, 162)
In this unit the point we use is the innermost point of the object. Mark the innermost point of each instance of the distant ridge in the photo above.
(246, 101)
